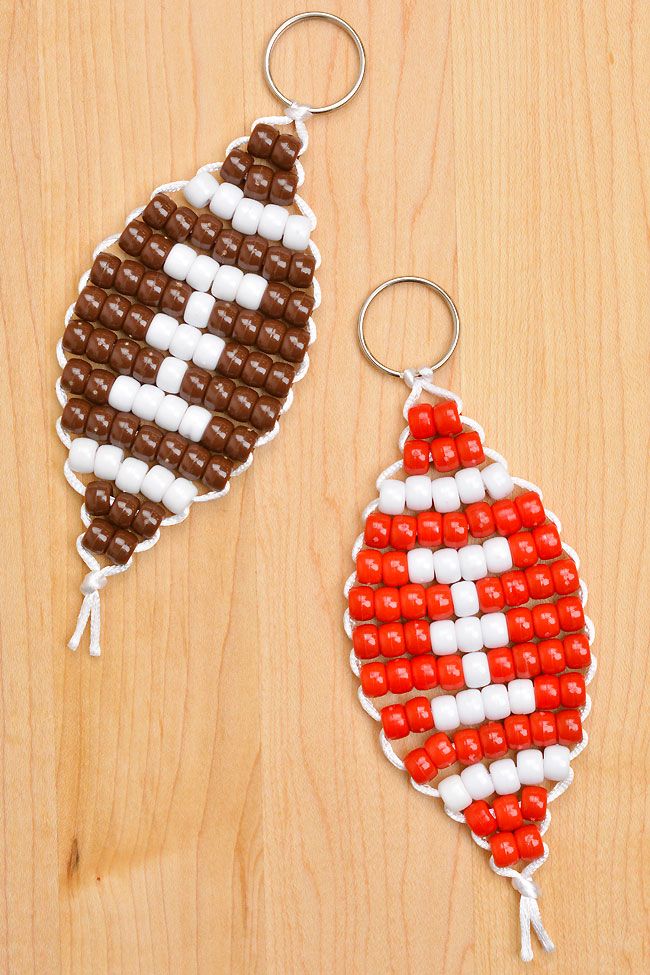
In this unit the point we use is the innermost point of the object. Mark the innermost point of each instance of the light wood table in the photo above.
(207, 797)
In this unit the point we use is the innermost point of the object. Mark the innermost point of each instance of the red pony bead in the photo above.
(394, 568)
(425, 674)
(421, 421)
(531, 509)
(522, 549)
(373, 680)
(418, 714)
(547, 541)
(529, 842)
(450, 673)
(504, 849)
(413, 601)
(429, 528)
(399, 676)
(551, 656)
(391, 639)
(416, 457)
(439, 602)
(515, 588)
(441, 750)
(543, 729)
(387, 604)
(455, 529)
(571, 613)
(533, 802)
(490, 594)
(419, 765)
(526, 660)
(365, 641)
(447, 419)
(480, 518)
(565, 576)
(540, 581)
(546, 621)
(520, 624)
(403, 532)
(480, 818)
(368, 566)
(393, 720)
(417, 636)
(576, 651)
(517, 728)
(573, 692)
(506, 517)
(377, 531)
(547, 693)
(444, 455)
(470, 449)
(361, 602)
(493, 739)
(507, 812)
(468, 746)
(501, 664)
(569, 727)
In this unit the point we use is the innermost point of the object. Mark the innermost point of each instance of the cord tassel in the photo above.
(90, 611)
(530, 916)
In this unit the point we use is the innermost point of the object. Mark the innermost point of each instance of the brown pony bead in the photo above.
(294, 344)
(99, 422)
(247, 326)
(262, 139)
(240, 444)
(114, 311)
(100, 345)
(74, 415)
(258, 183)
(274, 299)
(299, 308)
(277, 262)
(123, 510)
(123, 356)
(206, 230)
(171, 450)
(301, 270)
(123, 430)
(283, 188)
(98, 497)
(227, 246)
(232, 359)
(75, 375)
(128, 278)
(194, 462)
(180, 224)
(97, 536)
(89, 303)
(147, 520)
(147, 441)
(236, 165)
(223, 317)
(285, 151)
(242, 403)
(151, 287)
(256, 368)
(217, 433)
(105, 267)
(121, 546)
(137, 322)
(217, 472)
(99, 385)
(134, 236)
(270, 336)
(194, 385)
(155, 251)
(265, 413)
(147, 363)
(279, 380)
(75, 336)
(175, 297)
(158, 211)
(218, 394)
(252, 254)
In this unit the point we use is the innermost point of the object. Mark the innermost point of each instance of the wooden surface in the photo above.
(208, 797)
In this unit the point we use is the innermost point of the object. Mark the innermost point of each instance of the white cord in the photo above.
(419, 382)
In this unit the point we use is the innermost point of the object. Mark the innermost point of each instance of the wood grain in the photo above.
(207, 797)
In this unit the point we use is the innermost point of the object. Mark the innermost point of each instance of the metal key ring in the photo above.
(315, 15)
(453, 311)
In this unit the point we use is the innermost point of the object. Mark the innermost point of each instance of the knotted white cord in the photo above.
(419, 381)
(97, 578)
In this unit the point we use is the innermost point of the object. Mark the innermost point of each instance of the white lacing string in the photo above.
(98, 577)
(419, 381)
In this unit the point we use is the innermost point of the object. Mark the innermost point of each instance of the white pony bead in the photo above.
(273, 222)
(420, 565)
(225, 200)
(470, 707)
(476, 669)
(470, 485)
(251, 291)
(198, 308)
(447, 565)
(556, 762)
(161, 331)
(445, 712)
(495, 630)
(392, 497)
(296, 232)
(170, 374)
(247, 216)
(179, 260)
(123, 393)
(443, 637)
(472, 562)
(199, 191)
(469, 634)
(498, 482)
(146, 402)
(454, 794)
(131, 474)
(504, 776)
(521, 694)
(201, 275)
(496, 702)
(82, 455)
(208, 351)
(156, 481)
(107, 461)
(444, 494)
(498, 556)
(418, 492)
(226, 281)
(170, 413)
(179, 495)
(530, 766)
(195, 420)
(465, 598)
(185, 340)
(477, 781)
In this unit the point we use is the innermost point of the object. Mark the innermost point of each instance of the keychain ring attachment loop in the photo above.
(453, 311)
(315, 15)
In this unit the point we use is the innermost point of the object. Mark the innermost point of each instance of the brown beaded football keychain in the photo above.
(192, 325)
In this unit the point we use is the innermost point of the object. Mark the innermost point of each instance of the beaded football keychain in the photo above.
(469, 637)
(212, 287)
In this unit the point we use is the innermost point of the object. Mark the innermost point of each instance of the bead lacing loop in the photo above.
(298, 112)
(92, 582)
(525, 886)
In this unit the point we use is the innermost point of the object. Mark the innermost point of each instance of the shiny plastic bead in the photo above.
(576, 651)
(498, 556)
(420, 766)
(445, 712)
(439, 602)
(517, 729)
(490, 594)
(530, 766)
(394, 568)
(551, 656)
(468, 746)
(493, 739)
(455, 529)
(443, 637)
(417, 638)
(107, 461)
(520, 625)
(498, 482)
(447, 566)
(547, 692)
(529, 842)
(418, 714)
(480, 519)
(539, 580)
(470, 449)
(471, 488)
(545, 621)
(571, 613)
(441, 750)
(374, 680)
(464, 597)
(501, 664)
(413, 601)
(523, 550)
(429, 528)
(444, 494)
(495, 702)
(472, 562)
(476, 669)
(377, 529)
(480, 818)
(156, 482)
(543, 728)
(392, 497)
(469, 633)
(418, 492)
(403, 532)
(391, 639)
(470, 707)
(547, 541)
(421, 422)
(387, 604)
(447, 419)
(416, 457)
(506, 517)
(533, 803)
(450, 673)
(444, 455)
(454, 794)
(82, 455)
(504, 849)
(424, 672)
(495, 629)
(556, 762)
(531, 509)
(420, 565)
(526, 659)
(369, 567)
(504, 776)
(365, 641)
(515, 588)
(521, 694)
(507, 812)
(361, 603)
(565, 576)
(394, 723)
(573, 693)
(199, 191)
(569, 727)
(477, 781)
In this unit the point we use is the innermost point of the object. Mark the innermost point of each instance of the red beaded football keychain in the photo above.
(469, 637)
(180, 353)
